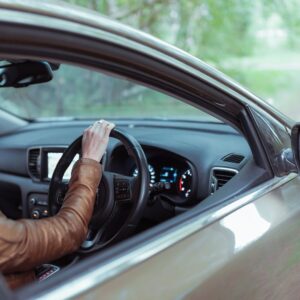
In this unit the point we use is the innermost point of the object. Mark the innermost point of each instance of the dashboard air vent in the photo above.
(221, 176)
(34, 164)
(234, 158)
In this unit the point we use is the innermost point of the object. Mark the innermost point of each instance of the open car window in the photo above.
(81, 93)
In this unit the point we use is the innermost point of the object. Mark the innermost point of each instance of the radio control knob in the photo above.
(35, 214)
(32, 201)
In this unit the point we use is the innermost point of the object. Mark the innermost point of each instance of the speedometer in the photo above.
(185, 184)
(135, 173)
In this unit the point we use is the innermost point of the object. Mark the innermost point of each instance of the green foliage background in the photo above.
(256, 42)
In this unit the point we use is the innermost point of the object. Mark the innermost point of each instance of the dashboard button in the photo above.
(42, 202)
(35, 214)
(32, 201)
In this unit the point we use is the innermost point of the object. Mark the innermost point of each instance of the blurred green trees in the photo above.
(257, 42)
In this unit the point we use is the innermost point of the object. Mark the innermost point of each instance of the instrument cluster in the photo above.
(175, 177)
(172, 177)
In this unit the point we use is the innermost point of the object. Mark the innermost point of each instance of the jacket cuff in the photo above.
(87, 161)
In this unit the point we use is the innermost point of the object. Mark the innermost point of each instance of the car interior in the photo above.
(194, 159)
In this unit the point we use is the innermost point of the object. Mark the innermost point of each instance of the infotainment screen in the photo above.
(53, 158)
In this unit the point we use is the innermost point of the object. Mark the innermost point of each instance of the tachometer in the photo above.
(135, 173)
(185, 184)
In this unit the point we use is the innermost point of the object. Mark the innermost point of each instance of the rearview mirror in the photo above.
(25, 73)
(295, 136)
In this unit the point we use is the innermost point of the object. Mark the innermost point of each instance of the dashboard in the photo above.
(42, 160)
(172, 176)
(52, 160)
(187, 162)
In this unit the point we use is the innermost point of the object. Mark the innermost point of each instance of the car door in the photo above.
(251, 253)
(239, 245)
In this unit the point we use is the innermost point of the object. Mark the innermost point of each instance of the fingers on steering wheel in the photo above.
(99, 128)
(109, 128)
(103, 128)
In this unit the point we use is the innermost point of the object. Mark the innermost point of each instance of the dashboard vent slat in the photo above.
(34, 165)
(234, 158)
(219, 177)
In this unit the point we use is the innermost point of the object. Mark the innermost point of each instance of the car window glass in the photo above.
(82, 93)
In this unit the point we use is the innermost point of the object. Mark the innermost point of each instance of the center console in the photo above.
(38, 205)
(41, 163)
(43, 160)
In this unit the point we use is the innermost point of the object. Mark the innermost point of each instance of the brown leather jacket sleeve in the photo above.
(24, 244)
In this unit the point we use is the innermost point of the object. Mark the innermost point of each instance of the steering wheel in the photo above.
(120, 199)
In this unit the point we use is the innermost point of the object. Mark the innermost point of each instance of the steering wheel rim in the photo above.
(139, 187)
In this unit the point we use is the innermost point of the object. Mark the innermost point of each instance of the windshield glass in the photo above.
(82, 93)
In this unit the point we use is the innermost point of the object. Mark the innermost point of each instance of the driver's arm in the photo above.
(25, 244)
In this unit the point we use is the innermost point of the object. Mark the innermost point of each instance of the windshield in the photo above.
(82, 93)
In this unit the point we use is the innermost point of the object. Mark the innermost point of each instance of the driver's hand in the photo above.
(95, 139)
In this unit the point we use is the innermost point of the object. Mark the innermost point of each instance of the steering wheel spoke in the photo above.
(123, 188)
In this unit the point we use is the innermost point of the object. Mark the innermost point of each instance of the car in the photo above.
(200, 192)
